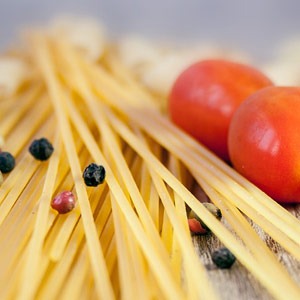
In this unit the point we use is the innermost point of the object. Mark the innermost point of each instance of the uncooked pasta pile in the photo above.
(127, 238)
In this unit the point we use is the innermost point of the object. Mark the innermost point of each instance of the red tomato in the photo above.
(264, 141)
(205, 96)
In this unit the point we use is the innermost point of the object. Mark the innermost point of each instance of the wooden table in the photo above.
(237, 282)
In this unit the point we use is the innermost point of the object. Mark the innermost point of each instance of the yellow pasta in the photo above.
(36, 242)
(229, 241)
(129, 238)
(103, 284)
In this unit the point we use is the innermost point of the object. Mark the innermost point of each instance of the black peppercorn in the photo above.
(93, 174)
(41, 149)
(223, 258)
(7, 162)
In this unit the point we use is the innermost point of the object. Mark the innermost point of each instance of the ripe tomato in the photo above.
(264, 141)
(205, 96)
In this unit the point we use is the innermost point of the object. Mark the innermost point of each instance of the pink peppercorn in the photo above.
(195, 227)
(63, 202)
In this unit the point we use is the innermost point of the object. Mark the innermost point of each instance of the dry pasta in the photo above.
(128, 238)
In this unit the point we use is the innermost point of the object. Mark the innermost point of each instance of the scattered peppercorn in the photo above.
(223, 258)
(41, 149)
(212, 209)
(197, 226)
(94, 174)
(63, 202)
(7, 162)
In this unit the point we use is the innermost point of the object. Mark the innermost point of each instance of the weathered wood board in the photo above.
(237, 283)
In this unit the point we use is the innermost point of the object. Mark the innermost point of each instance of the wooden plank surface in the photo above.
(237, 283)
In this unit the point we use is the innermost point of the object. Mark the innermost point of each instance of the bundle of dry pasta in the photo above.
(127, 238)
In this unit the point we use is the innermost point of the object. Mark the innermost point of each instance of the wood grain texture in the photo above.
(237, 283)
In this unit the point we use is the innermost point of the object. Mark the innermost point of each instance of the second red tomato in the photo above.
(264, 141)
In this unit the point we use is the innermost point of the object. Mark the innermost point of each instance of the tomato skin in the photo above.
(205, 96)
(264, 141)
